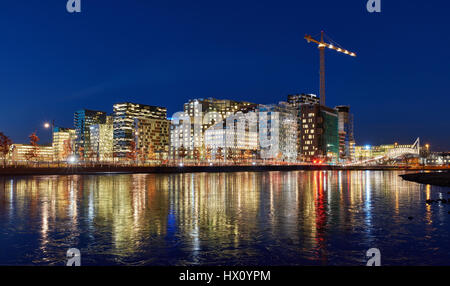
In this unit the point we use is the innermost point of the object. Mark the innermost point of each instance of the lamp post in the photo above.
(47, 125)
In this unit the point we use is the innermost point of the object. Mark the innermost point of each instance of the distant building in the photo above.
(369, 152)
(346, 138)
(152, 138)
(83, 119)
(23, 152)
(296, 100)
(63, 143)
(101, 136)
(438, 159)
(387, 151)
(319, 132)
(124, 115)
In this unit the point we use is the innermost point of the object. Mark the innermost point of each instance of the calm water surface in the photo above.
(271, 218)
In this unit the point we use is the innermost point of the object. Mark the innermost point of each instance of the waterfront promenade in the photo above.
(130, 169)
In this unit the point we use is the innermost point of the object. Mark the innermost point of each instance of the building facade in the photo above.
(438, 159)
(236, 138)
(124, 115)
(83, 119)
(29, 153)
(319, 133)
(63, 143)
(346, 138)
(297, 101)
(101, 136)
(278, 135)
(199, 115)
(152, 138)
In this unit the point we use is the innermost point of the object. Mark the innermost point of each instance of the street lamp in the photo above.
(47, 125)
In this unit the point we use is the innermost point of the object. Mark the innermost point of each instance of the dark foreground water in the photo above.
(272, 218)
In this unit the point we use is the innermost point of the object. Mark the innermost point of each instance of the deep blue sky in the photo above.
(166, 52)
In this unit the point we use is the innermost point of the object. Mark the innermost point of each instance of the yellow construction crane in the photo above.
(322, 45)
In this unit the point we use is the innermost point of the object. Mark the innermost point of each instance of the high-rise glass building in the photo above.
(83, 119)
(124, 115)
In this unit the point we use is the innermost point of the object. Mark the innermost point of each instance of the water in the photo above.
(271, 218)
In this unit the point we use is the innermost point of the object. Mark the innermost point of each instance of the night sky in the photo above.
(53, 63)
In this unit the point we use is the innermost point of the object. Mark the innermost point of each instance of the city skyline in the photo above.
(258, 55)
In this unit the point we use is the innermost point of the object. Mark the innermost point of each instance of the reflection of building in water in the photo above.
(198, 216)
(220, 205)
(133, 206)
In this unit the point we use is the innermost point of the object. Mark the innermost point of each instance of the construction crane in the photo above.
(322, 45)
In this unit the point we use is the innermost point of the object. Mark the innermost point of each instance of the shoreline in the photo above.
(441, 179)
(93, 170)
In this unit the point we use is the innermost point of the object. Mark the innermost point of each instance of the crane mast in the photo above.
(322, 70)
(322, 45)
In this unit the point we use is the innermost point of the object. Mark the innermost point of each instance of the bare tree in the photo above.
(5, 146)
(182, 152)
(132, 155)
(34, 151)
(67, 149)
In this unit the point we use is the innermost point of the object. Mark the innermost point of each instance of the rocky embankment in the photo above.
(435, 178)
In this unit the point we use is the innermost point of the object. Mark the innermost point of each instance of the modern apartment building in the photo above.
(28, 153)
(83, 119)
(124, 115)
(346, 138)
(296, 101)
(63, 143)
(236, 137)
(278, 132)
(202, 114)
(319, 133)
(152, 138)
(101, 136)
